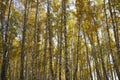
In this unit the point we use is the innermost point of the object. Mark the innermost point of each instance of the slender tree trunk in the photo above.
(60, 50)
(76, 65)
(23, 42)
(116, 21)
(26, 66)
(35, 51)
(5, 42)
(50, 40)
(45, 51)
(67, 72)
(56, 58)
(77, 52)
(79, 8)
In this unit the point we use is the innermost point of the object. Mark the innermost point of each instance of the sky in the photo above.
(18, 5)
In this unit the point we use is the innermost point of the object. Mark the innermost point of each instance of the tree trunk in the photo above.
(45, 60)
(5, 40)
(50, 40)
(67, 72)
(23, 42)
(60, 50)
(35, 51)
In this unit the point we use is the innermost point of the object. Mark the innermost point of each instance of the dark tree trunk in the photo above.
(67, 72)
(23, 41)
(5, 39)
(60, 50)
(50, 40)
(35, 51)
